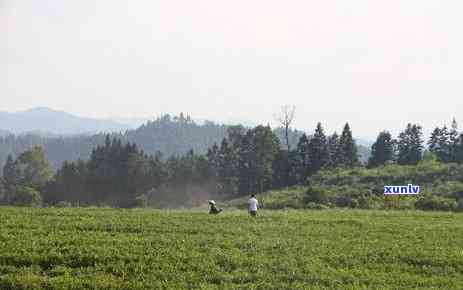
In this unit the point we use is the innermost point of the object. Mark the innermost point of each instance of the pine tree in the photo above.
(213, 158)
(281, 169)
(318, 150)
(66, 186)
(118, 174)
(348, 148)
(245, 155)
(453, 141)
(410, 145)
(382, 150)
(228, 169)
(157, 171)
(258, 151)
(444, 145)
(458, 150)
(303, 165)
(433, 143)
(334, 150)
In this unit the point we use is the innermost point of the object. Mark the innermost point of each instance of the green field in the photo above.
(147, 249)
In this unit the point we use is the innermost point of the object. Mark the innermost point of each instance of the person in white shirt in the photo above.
(253, 204)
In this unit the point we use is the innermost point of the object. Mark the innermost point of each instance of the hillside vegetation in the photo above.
(123, 174)
(248, 160)
(441, 188)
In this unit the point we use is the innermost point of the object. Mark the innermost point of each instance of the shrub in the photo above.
(459, 207)
(370, 202)
(316, 195)
(436, 203)
(27, 196)
(313, 205)
(346, 201)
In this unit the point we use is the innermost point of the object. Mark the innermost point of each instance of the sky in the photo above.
(375, 64)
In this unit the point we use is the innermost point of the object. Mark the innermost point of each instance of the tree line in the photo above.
(120, 174)
(446, 144)
(247, 160)
(171, 135)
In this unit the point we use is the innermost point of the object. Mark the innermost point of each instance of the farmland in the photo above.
(69, 248)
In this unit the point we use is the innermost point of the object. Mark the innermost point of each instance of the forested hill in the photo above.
(168, 135)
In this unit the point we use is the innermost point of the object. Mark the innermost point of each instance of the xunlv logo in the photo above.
(409, 189)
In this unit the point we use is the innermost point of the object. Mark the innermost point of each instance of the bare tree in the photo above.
(286, 117)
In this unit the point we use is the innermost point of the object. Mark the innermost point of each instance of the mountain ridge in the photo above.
(48, 122)
(55, 122)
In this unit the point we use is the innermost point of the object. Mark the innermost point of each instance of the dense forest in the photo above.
(169, 135)
(247, 160)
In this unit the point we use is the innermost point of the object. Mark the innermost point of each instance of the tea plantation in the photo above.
(95, 248)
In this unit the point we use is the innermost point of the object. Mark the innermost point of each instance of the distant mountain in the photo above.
(46, 121)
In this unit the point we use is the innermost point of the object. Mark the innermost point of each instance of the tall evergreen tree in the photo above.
(69, 184)
(433, 143)
(157, 171)
(444, 144)
(439, 144)
(382, 150)
(228, 169)
(318, 150)
(458, 150)
(213, 158)
(453, 141)
(335, 154)
(118, 174)
(303, 165)
(259, 149)
(348, 148)
(285, 169)
(410, 145)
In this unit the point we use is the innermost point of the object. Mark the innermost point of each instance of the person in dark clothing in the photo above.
(213, 208)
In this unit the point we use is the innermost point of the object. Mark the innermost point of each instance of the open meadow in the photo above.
(96, 248)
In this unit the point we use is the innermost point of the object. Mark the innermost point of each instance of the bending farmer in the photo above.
(213, 209)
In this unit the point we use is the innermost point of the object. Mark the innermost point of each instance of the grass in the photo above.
(145, 249)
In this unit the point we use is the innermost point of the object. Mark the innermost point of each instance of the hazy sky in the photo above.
(376, 64)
